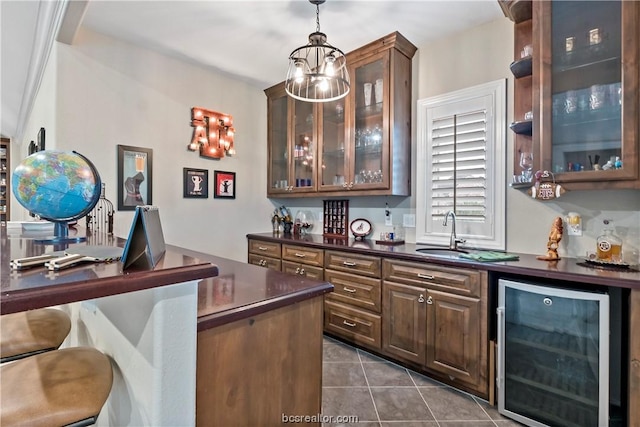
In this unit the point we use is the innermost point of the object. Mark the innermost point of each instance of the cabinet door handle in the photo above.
(300, 255)
(262, 248)
(349, 264)
(262, 262)
(297, 270)
(302, 271)
(349, 324)
(430, 300)
(421, 298)
(351, 291)
(425, 276)
(350, 185)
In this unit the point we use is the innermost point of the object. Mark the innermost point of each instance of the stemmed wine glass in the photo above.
(526, 163)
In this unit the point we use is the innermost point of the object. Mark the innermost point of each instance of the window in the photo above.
(461, 166)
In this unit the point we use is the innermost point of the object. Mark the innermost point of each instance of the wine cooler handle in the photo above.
(501, 342)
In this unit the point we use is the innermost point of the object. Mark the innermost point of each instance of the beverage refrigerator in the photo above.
(553, 355)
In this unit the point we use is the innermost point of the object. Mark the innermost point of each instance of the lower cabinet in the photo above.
(431, 317)
(442, 332)
(405, 315)
(453, 331)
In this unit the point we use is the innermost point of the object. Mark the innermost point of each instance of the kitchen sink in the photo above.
(442, 252)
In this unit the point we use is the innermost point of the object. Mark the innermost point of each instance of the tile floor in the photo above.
(382, 394)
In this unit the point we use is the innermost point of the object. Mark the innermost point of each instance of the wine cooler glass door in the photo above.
(553, 355)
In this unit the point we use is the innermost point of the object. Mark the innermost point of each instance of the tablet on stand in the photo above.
(145, 244)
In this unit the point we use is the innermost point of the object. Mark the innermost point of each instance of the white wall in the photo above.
(112, 93)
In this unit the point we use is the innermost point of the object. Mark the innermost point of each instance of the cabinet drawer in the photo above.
(353, 324)
(355, 290)
(264, 261)
(270, 249)
(352, 263)
(456, 280)
(303, 270)
(304, 255)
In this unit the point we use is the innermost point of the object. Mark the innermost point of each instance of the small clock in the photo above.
(360, 228)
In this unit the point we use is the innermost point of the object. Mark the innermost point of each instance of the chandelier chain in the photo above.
(317, 18)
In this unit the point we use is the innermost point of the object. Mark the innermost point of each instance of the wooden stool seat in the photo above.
(32, 332)
(56, 388)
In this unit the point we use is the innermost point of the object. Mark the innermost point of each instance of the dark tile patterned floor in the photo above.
(382, 394)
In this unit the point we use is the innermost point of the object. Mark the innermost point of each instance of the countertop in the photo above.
(38, 287)
(243, 290)
(566, 269)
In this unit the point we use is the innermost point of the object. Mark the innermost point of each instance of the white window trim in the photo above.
(496, 166)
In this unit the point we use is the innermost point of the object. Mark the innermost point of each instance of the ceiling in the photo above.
(249, 40)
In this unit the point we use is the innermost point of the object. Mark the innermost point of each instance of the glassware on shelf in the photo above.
(526, 163)
(609, 246)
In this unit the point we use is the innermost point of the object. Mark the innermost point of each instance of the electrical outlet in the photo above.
(388, 220)
(408, 220)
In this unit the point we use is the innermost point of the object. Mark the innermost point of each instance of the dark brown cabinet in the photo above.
(583, 91)
(403, 330)
(436, 317)
(357, 145)
(453, 337)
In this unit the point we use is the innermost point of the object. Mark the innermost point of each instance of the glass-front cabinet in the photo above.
(358, 163)
(292, 144)
(357, 145)
(588, 92)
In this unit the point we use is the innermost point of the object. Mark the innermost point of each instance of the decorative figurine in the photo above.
(555, 235)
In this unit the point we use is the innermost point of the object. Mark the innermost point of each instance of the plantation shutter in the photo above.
(461, 166)
(459, 172)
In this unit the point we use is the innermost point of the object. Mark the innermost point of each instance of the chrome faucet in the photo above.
(453, 240)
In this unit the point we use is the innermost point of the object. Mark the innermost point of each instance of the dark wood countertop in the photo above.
(566, 269)
(38, 287)
(243, 290)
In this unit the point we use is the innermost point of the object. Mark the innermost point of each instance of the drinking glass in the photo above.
(526, 163)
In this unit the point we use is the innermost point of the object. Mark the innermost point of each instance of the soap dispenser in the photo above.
(609, 246)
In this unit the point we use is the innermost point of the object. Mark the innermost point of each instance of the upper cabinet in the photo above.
(358, 145)
(588, 91)
(583, 91)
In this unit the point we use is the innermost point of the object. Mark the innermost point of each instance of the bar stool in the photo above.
(32, 332)
(57, 388)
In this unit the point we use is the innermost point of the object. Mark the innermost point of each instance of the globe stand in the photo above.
(60, 235)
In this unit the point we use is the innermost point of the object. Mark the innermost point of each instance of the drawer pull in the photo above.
(300, 255)
(298, 270)
(430, 300)
(302, 271)
(351, 291)
(425, 276)
(349, 324)
(262, 248)
(349, 264)
(421, 298)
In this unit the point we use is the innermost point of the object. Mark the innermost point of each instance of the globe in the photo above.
(58, 186)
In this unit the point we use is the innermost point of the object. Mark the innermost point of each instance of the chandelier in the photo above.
(317, 71)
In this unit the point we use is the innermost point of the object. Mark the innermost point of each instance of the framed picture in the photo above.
(196, 183)
(135, 165)
(224, 185)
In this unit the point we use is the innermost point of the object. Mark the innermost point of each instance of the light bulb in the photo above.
(299, 74)
(329, 69)
(324, 85)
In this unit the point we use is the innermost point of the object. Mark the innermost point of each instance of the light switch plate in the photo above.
(408, 220)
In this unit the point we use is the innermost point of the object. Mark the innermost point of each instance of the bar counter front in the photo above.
(195, 328)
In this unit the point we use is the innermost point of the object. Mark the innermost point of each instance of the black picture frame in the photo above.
(224, 185)
(135, 177)
(195, 183)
